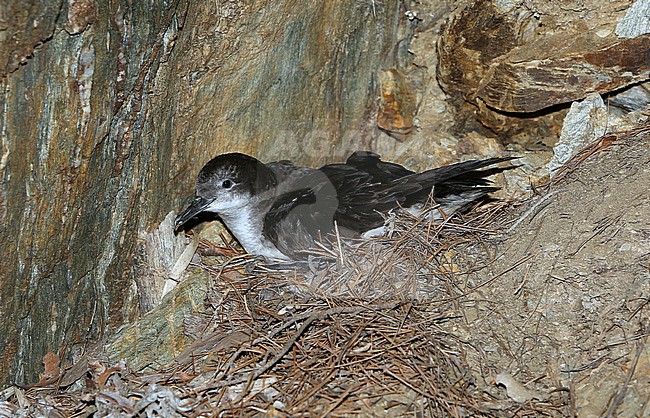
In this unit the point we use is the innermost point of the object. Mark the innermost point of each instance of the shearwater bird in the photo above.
(279, 210)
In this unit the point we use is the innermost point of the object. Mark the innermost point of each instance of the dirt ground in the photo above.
(565, 303)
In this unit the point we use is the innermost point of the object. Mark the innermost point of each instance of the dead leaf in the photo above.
(516, 391)
(52, 371)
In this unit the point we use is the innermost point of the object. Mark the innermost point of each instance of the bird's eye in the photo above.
(227, 184)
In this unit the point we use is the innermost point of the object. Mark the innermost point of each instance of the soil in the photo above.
(564, 306)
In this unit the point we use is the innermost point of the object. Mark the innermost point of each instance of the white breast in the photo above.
(249, 234)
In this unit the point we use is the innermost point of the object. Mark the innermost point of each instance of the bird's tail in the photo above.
(467, 173)
(458, 186)
(451, 203)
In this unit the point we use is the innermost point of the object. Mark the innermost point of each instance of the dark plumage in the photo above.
(278, 210)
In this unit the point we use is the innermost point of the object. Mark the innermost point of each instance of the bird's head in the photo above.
(226, 184)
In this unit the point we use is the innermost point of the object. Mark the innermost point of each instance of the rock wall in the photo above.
(109, 110)
(514, 67)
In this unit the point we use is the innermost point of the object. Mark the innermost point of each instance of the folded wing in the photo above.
(368, 187)
(356, 195)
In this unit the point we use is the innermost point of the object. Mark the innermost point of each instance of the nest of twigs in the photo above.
(361, 331)
(417, 259)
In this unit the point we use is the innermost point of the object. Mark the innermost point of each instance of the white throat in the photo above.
(249, 233)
